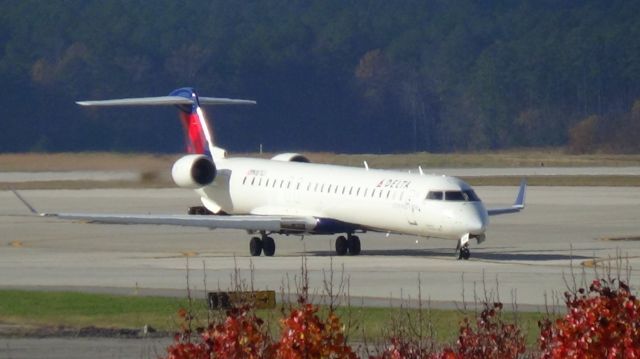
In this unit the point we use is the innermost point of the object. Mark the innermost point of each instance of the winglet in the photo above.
(517, 206)
(521, 194)
(24, 201)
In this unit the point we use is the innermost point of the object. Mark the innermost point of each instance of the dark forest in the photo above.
(331, 75)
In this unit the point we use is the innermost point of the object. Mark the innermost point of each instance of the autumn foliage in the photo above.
(602, 321)
(306, 335)
(243, 335)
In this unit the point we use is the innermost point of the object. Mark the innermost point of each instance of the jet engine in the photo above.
(290, 157)
(193, 171)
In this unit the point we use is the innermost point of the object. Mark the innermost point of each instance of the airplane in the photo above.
(289, 195)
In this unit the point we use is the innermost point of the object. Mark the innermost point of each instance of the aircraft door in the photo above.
(413, 208)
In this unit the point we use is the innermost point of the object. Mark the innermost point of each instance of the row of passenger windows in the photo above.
(323, 188)
(460, 196)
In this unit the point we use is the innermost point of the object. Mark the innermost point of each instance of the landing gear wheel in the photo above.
(268, 246)
(255, 246)
(353, 244)
(341, 246)
(465, 253)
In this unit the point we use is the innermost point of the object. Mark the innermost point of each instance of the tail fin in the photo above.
(198, 133)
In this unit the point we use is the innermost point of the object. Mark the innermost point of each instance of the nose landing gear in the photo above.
(463, 248)
(465, 253)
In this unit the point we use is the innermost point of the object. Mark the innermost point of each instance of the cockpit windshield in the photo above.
(467, 195)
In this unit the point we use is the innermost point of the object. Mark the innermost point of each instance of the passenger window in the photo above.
(435, 195)
(253, 181)
(244, 180)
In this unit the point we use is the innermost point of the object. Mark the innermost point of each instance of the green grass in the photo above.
(81, 309)
(110, 311)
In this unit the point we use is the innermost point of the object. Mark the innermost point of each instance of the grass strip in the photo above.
(77, 310)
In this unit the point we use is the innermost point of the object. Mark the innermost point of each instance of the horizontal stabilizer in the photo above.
(166, 100)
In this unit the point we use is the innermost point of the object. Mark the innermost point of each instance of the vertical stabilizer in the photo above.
(198, 132)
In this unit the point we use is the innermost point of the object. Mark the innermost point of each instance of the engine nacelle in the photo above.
(193, 171)
(290, 157)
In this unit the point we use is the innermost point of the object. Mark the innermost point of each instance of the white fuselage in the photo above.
(380, 200)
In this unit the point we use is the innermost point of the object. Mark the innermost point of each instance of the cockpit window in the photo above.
(454, 196)
(467, 195)
(471, 195)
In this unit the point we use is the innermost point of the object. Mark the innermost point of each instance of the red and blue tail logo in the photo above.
(198, 132)
(198, 136)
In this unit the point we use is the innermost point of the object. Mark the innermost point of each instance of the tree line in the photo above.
(362, 76)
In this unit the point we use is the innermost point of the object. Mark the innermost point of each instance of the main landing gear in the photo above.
(350, 244)
(266, 244)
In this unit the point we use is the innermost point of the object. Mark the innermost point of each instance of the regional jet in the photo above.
(288, 195)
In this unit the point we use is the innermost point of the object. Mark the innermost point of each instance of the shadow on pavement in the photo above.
(449, 253)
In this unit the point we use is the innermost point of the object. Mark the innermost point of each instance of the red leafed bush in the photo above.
(241, 335)
(305, 335)
(491, 338)
(603, 322)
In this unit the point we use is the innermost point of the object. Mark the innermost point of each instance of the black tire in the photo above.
(255, 246)
(341, 246)
(465, 253)
(268, 246)
(353, 243)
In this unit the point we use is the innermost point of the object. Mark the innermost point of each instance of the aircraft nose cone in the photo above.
(477, 226)
(477, 223)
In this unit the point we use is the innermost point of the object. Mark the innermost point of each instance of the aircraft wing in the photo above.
(285, 224)
(245, 222)
(517, 206)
